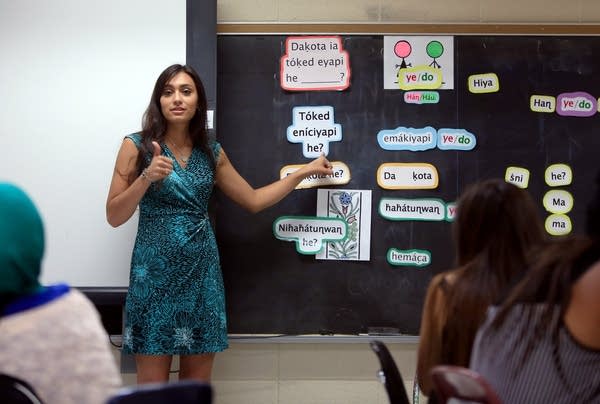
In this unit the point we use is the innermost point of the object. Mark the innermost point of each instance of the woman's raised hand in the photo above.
(320, 165)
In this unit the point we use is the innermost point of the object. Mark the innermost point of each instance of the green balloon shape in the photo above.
(435, 49)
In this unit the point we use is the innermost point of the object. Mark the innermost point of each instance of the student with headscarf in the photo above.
(50, 336)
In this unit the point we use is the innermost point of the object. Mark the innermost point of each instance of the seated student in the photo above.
(50, 337)
(543, 344)
(495, 227)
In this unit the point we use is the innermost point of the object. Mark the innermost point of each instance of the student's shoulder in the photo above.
(588, 283)
(78, 300)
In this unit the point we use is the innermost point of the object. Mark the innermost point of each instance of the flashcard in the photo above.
(483, 83)
(314, 63)
(411, 139)
(310, 233)
(558, 201)
(428, 209)
(518, 176)
(407, 176)
(558, 224)
(314, 127)
(341, 175)
(419, 77)
(558, 175)
(455, 139)
(418, 62)
(353, 206)
(450, 211)
(578, 103)
(421, 139)
(421, 97)
(542, 103)
(413, 258)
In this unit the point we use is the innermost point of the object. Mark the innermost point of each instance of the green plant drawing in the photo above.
(345, 206)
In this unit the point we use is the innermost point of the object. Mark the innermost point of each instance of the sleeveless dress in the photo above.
(175, 303)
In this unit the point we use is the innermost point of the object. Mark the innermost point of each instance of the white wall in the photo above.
(75, 77)
(408, 11)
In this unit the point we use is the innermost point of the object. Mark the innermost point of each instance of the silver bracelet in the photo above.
(145, 175)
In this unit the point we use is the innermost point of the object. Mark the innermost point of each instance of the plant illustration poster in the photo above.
(353, 206)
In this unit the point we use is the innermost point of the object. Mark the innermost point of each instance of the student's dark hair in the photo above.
(548, 285)
(592, 225)
(496, 223)
(154, 124)
(496, 227)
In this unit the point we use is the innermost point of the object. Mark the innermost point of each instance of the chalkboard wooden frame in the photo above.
(409, 29)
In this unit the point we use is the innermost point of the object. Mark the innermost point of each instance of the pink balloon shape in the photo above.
(402, 49)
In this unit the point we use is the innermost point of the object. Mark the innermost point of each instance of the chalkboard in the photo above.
(270, 287)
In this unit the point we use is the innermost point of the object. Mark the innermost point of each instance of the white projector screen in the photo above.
(75, 77)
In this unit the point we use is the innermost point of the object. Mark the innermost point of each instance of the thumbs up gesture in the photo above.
(157, 149)
(160, 166)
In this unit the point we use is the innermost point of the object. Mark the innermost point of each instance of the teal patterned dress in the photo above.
(176, 302)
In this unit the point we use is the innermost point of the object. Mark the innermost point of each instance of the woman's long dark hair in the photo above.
(548, 285)
(556, 268)
(154, 124)
(496, 227)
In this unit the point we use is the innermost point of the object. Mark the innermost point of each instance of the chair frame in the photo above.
(462, 383)
(184, 391)
(18, 387)
(389, 375)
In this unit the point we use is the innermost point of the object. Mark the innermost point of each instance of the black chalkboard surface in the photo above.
(270, 288)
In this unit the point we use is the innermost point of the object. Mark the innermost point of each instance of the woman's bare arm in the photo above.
(123, 196)
(232, 184)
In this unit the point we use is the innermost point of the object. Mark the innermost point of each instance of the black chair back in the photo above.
(183, 392)
(389, 374)
(16, 391)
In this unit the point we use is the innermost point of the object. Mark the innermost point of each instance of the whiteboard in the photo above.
(76, 76)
